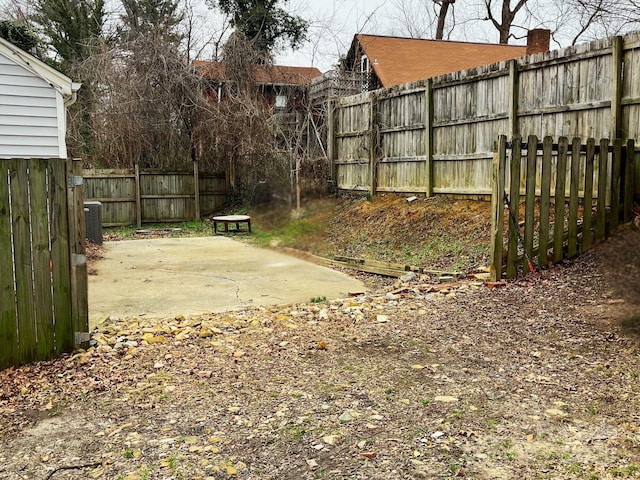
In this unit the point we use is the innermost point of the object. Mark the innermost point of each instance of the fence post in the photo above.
(513, 98)
(196, 190)
(497, 209)
(617, 59)
(77, 244)
(373, 143)
(138, 200)
(428, 136)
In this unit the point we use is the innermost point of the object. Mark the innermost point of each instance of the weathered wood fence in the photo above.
(574, 195)
(43, 272)
(438, 135)
(137, 196)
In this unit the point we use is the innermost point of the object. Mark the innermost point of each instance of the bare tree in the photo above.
(504, 18)
(573, 21)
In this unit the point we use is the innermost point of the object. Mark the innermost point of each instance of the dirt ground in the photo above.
(537, 378)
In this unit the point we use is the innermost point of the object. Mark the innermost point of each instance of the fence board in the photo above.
(497, 207)
(603, 158)
(23, 262)
(43, 302)
(60, 258)
(8, 323)
(514, 207)
(572, 247)
(77, 243)
(615, 184)
(629, 176)
(559, 199)
(530, 196)
(545, 202)
(587, 234)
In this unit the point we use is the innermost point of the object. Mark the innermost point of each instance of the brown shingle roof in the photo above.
(272, 74)
(398, 60)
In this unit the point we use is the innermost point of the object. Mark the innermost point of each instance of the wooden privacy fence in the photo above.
(574, 195)
(43, 271)
(135, 196)
(437, 135)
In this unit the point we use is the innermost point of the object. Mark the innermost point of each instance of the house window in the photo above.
(281, 102)
(364, 64)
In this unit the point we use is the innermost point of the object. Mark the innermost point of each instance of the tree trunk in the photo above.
(442, 17)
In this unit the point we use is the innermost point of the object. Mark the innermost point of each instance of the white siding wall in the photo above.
(32, 114)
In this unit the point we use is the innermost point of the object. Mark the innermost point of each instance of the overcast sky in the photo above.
(335, 22)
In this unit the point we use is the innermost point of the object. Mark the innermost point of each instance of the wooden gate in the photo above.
(43, 272)
(574, 195)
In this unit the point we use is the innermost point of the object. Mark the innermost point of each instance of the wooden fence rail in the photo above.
(135, 196)
(43, 274)
(574, 195)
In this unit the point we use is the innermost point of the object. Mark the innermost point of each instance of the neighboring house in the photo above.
(284, 88)
(33, 102)
(383, 62)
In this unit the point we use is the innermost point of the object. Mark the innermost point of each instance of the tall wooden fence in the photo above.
(438, 135)
(141, 196)
(43, 272)
(574, 195)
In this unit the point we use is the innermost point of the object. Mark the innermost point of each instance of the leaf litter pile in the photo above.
(537, 378)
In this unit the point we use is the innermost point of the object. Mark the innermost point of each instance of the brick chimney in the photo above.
(538, 40)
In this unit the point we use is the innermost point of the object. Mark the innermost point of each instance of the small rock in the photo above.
(445, 399)
(556, 412)
(409, 277)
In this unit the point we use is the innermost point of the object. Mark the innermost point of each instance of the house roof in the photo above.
(397, 60)
(53, 77)
(266, 75)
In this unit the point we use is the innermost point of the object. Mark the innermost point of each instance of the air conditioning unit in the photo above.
(93, 221)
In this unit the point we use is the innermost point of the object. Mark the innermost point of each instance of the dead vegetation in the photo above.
(535, 379)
